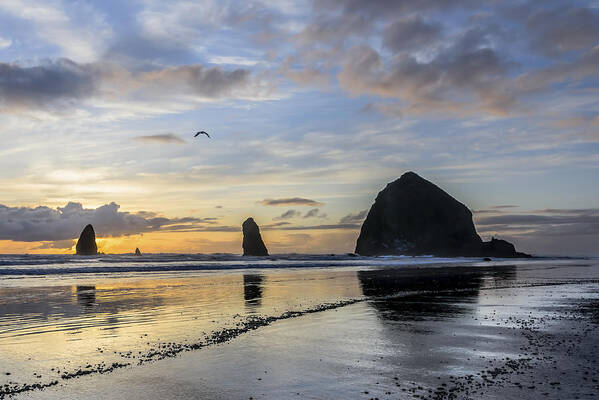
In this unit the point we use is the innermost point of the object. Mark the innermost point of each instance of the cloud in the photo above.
(300, 237)
(495, 209)
(409, 52)
(549, 231)
(163, 34)
(491, 211)
(542, 79)
(164, 138)
(338, 23)
(334, 30)
(275, 225)
(58, 244)
(466, 77)
(50, 82)
(295, 201)
(288, 215)
(458, 71)
(583, 211)
(490, 60)
(214, 82)
(578, 121)
(304, 75)
(208, 228)
(410, 34)
(560, 30)
(384, 8)
(232, 60)
(4, 42)
(356, 218)
(76, 29)
(322, 227)
(65, 223)
(314, 213)
(67, 84)
(536, 219)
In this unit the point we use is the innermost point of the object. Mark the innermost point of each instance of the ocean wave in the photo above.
(13, 265)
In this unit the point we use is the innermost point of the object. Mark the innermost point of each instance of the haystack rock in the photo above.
(137, 252)
(86, 245)
(412, 216)
(252, 240)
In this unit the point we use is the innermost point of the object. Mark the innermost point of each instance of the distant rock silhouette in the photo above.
(137, 252)
(252, 240)
(501, 248)
(412, 216)
(86, 245)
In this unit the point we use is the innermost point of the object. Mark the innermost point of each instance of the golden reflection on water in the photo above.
(68, 322)
(63, 327)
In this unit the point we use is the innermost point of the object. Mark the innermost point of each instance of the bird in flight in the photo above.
(201, 133)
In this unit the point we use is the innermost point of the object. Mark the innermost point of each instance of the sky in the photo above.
(313, 107)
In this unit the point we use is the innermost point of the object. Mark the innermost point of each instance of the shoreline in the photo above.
(514, 353)
(170, 350)
(298, 292)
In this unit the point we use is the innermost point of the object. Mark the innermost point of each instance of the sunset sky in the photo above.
(313, 107)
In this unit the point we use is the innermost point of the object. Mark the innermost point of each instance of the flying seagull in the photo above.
(201, 133)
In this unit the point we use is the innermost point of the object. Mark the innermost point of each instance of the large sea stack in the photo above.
(252, 240)
(86, 245)
(412, 216)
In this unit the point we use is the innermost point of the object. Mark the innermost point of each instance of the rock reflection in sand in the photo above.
(86, 296)
(430, 293)
(252, 290)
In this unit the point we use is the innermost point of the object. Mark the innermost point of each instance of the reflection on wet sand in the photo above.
(101, 320)
(211, 299)
(252, 289)
(430, 293)
(86, 296)
(426, 311)
(392, 281)
(414, 345)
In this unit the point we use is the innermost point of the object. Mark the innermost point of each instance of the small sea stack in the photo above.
(137, 252)
(252, 240)
(86, 245)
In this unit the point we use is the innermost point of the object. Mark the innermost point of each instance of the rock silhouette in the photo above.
(412, 216)
(499, 248)
(86, 245)
(137, 252)
(252, 240)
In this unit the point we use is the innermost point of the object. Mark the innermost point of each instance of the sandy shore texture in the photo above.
(502, 331)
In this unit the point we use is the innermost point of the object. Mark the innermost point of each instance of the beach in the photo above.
(299, 199)
(316, 327)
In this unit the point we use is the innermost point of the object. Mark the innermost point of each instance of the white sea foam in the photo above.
(15, 265)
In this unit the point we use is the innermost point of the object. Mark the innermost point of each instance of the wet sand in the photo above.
(525, 330)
